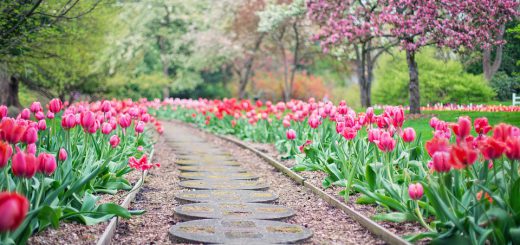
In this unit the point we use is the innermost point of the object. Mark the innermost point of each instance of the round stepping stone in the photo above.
(223, 184)
(226, 195)
(215, 169)
(216, 162)
(238, 232)
(217, 176)
(232, 211)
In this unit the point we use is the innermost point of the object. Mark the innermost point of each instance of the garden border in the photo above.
(372, 226)
(110, 231)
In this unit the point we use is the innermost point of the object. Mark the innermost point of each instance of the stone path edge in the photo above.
(366, 222)
(110, 231)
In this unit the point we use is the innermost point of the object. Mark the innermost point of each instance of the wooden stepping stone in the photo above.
(232, 211)
(238, 232)
(217, 176)
(223, 185)
(240, 196)
(215, 169)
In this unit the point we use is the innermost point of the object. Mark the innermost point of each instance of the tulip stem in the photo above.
(421, 219)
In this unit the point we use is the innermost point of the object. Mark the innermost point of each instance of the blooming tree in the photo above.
(448, 23)
(352, 25)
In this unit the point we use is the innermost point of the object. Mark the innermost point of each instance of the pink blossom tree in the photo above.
(352, 27)
(444, 23)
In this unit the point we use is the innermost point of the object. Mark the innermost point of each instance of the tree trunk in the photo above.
(243, 80)
(415, 97)
(488, 68)
(9, 87)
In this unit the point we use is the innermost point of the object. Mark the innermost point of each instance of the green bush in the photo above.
(504, 85)
(148, 86)
(440, 81)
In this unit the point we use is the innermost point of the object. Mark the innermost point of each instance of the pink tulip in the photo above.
(68, 121)
(46, 163)
(386, 143)
(106, 106)
(55, 105)
(42, 125)
(408, 135)
(463, 127)
(39, 115)
(62, 156)
(36, 107)
(106, 128)
(24, 164)
(125, 121)
(415, 191)
(291, 134)
(114, 141)
(441, 161)
(25, 114)
(3, 111)
(87, 119)
(349, 133)
(50, 115)
(31, 149)
(314, 122)
(30, 136)
(139, 127)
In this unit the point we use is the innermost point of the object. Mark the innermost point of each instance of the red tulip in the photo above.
(11, 131)
(408, 135)
(462, 156)
(302, 147)
(62, 156)
(5, 153)
(291, 134)
(36, 107)
(491, 148)
(141, 164)
(386, 143)
(463, 128)
(415, 191)
(437, 144)
(502, 132)
(482, 125)
(441, 161)
(46, 163)
(3, 111)
(55, 105)
(13, 208)
(114, 141)
(349, 133)
(24, 164)
(68, 121)
(513, 148)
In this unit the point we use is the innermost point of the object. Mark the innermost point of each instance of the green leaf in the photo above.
(48, 216)
(515, 235)
(112, 208)
(370, 177)
(364, 199)
(397, 217)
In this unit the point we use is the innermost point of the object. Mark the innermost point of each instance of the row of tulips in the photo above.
(462, 185)
(470, 107)
(55, 161)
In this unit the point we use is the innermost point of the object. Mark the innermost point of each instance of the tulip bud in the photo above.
(46, 163)
(291, 134)
(106, 106)
(13, 209)
(125, 120)
(415, 191)
(50, 115)
(386, 143)
(87, 119)
(68, 121)
(30, 136)
(62, 156)
(441, 161)
(25, 114)
(42, 125)
(114, 141)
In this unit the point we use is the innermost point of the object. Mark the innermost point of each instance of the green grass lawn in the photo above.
(422, 125)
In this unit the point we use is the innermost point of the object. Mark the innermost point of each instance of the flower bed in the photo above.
(56, 163)
(460, 186)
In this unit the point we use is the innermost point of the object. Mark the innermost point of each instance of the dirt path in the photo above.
(329, 225)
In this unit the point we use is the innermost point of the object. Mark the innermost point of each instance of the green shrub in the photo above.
(440, 81)
(504, 86)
